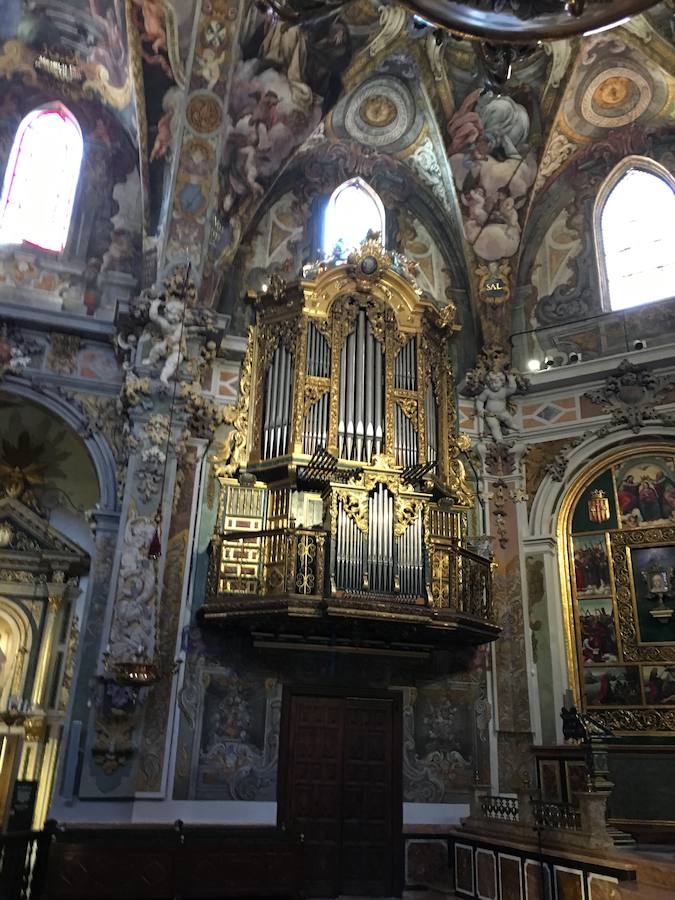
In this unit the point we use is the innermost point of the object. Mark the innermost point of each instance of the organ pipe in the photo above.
(431, 416)
(361, 420)
(277, 410)
(362, 373)
(405, 439)
(405, 367)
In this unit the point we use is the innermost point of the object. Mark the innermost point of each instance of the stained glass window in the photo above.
(41, 180)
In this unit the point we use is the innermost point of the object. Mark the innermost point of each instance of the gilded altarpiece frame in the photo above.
(619, 591)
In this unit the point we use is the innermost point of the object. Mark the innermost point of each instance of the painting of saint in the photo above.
(659, 684)
(598, 634)
(645, 490)
(614, 686)
(591, 568)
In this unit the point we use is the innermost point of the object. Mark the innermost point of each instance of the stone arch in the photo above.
(96, 445)
(16, 638)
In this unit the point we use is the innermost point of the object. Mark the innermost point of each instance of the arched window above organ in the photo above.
(41, 180)
(353, 211)
(634, 228)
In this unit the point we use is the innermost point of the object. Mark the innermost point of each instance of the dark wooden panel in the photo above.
(367, 817)
(315, 788)
(340, 786)
(191, 862)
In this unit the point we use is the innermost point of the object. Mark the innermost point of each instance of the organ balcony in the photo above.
(343, 501)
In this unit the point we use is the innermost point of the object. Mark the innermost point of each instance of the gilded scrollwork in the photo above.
(645, 720)
(406, 510)
(232, 454)
(409, 407)
(315, 388)
(355, 505)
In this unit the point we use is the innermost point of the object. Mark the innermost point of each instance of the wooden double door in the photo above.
(340, 785)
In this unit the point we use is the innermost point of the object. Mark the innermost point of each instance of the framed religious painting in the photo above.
(591, 566)
(597, 632)
(612, 686)
(644, 574)
(645, 491)
(659, 685)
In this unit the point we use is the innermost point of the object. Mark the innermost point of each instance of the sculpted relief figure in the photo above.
(492, 404)
(132, 634)
(168, 349)
(492, 384)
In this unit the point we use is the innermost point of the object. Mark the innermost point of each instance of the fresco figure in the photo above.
(493, 167)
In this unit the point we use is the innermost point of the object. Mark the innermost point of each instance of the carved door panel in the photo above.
(367, 798)
(314, 788)
(342, 791)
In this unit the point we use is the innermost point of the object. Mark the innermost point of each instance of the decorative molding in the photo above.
(630, 396)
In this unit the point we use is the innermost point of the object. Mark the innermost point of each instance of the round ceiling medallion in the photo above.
(616, 97)
(612, 92)
(378, 111)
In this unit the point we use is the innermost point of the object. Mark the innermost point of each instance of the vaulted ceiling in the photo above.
(488, 157)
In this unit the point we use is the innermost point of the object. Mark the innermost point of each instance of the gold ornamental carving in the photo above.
(315, 388)
(355, 505)
(409, 407)
(644, 720)
(406, 511)
(621, 543)
(232, 454)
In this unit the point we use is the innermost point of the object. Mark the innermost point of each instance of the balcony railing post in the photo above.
(525, 812)
(593, 814)
(478, 792)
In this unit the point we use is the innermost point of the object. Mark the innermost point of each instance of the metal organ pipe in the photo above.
(405, 367)
(410, 560)
(370, 388)
(431, 415)
(379, 390)
(361, 420)
(278, 396)
(286, 409)
(405, 439)
(315, 422)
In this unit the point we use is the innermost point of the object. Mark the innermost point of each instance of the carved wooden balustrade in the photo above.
(256, 574)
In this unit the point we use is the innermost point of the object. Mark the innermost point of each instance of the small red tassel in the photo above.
(155, 548)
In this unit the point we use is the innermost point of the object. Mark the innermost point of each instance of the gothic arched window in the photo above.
(635, 224)
(353, 210)
(41, 180)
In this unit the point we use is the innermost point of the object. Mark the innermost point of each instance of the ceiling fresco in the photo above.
(490, 154)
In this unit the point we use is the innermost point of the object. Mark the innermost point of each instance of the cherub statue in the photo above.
(492, 384)
(169, 349)
(492, 404)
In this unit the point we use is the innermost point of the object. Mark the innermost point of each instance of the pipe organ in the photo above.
(342, 486)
